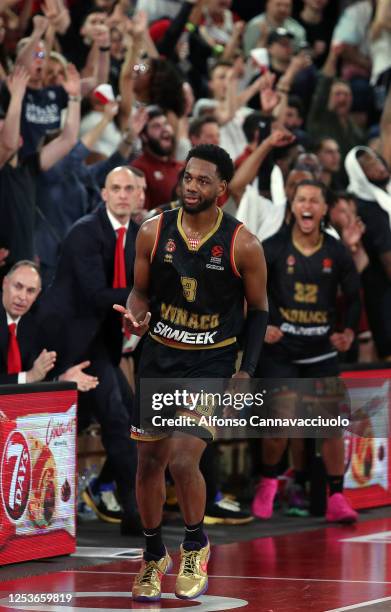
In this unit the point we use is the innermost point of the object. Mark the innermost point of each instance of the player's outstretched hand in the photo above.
(131, 324)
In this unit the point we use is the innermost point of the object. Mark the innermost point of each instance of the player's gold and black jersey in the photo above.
(302, 292)
(196, 295)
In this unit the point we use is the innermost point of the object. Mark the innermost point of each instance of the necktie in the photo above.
(14, 360)
(119, 281)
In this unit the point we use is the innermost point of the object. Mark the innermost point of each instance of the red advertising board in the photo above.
(368, 451)
(37, 472)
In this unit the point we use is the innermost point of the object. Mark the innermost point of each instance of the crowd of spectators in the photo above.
(292, 90)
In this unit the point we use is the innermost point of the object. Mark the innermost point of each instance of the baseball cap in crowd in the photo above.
(278, 34)
(104, 93)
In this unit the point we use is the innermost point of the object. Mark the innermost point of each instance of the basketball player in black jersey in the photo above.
(306, 269)
(194, 268)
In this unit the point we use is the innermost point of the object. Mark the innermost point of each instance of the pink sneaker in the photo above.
(262, 505)
(339, 510)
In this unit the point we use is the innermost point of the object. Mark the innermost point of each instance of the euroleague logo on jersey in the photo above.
(170, 246)
(217, 251)
(216, 254)
(16, 475)
(327, 265)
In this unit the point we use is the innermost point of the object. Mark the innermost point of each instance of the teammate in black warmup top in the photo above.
(306, 269)
(194, 268)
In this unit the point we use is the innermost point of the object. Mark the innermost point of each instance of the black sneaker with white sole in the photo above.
(101, 499)
(226, 512)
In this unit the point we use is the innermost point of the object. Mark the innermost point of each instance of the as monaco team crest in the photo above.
(170, 246)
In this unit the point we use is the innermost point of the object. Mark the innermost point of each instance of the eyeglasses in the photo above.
(141, 68)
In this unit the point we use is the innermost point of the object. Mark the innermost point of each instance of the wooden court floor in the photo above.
(330, 569)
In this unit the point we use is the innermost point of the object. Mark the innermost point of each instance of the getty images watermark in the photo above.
(232, 408)
(193, 401)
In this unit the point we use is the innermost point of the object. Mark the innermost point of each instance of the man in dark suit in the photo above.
(95, 270)
(22, 358)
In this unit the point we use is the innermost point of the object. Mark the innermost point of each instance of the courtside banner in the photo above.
(262, 408)
(37, 471)
(368, 450)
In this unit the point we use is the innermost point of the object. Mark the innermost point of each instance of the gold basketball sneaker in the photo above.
(192, 579)
(147, 584)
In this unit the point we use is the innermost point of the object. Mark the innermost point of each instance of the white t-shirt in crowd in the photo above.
(110, 139)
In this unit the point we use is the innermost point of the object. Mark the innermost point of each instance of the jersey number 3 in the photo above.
(306, 293)
(189, 288)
